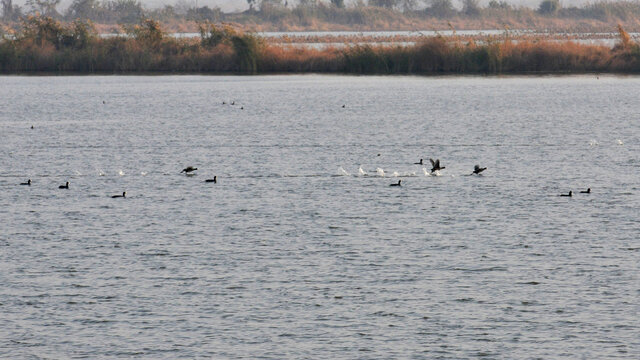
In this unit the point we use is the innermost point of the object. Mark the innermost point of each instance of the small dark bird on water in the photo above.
(188, 169)
(418, 163)
(104, 102)
(32, 126)
(224, 103)
(569, 194)
(344, 106)
(435, 165)
(65, 186)
(588, 191)
(477, 169)
(214, 180)
(398, 184)
(124, 194)
(28, 183)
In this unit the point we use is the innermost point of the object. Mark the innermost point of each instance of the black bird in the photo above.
(398, 184)
(224, 103)
(188, 169)
(28, 183)
(124, 194)
(588, 191)
(569, 194)
(344, 105)
(65, 186)
(32, 126)
(418, 163)
(435, 165)
(477, 169)
(214, 180)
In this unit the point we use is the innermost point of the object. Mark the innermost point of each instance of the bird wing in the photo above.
(433, 163)
(437, 163)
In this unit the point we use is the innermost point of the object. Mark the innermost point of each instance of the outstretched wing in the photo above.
(433, 163)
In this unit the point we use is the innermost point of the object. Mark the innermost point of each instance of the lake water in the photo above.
(302, 249)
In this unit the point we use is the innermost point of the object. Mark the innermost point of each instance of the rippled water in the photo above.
(296, 252)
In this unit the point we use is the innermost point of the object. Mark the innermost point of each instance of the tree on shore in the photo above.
(549, 7)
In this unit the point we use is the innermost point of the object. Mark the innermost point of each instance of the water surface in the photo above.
(302, 249)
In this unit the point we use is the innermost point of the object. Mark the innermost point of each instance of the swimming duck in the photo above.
(588, 191)
(569, 194)
(214, 180)
(124, 194)
(398, 184)
(28, 183)
(65, 186)
(418, 163)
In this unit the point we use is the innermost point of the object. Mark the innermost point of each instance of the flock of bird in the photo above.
(187, 170)
(435, 166)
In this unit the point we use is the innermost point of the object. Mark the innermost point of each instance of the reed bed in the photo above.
(45, 45)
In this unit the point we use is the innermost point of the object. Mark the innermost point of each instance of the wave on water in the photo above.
(343, 172)
(361, 171)
(593, 142)
(380, 172)
(620, 142)
(120, 172)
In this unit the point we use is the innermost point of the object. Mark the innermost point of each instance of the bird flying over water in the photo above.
(188, 169)
(477, 169)
(435, 165)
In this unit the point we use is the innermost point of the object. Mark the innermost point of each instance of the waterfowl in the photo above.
(214, 180)
(477, 169)
(435, 165)
(124, 194)
(28, 183)
(31, 126)
(398, 184)
(65, 186)
(188, 169)
(224, 103)
(588, 191)
(569, 194)
(418, 163)
(233, 103)
(344, 105)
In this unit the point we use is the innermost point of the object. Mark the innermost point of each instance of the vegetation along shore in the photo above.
(43, 44)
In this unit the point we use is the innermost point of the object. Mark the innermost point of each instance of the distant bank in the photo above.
(44, 45)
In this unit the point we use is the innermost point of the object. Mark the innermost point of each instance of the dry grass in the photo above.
(47, 46)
